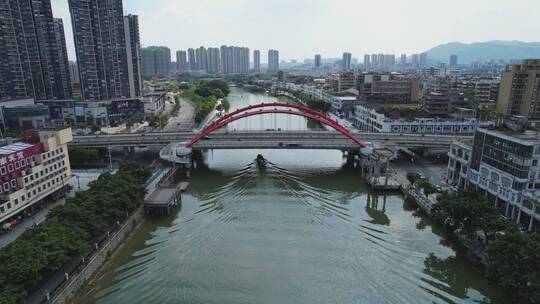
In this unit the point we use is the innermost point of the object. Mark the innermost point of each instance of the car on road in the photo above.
(420, 175)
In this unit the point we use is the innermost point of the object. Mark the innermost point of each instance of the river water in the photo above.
(304, 230)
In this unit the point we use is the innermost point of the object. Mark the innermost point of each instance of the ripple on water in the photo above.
(278, 236)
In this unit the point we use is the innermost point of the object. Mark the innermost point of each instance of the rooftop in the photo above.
(13, 148)
(529, 135)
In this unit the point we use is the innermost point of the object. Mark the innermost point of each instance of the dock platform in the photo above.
(164, 199)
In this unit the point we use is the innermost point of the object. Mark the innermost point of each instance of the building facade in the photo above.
(346, 61)
(506, 166)
(453, 61)
(134, 60)
(181, 61)
(399, 91)
(33, 57)
(214, 61)
(459, 158)
(30, 172)
(192, 62)
(368, 119)
(273, 60)
(519, 91)
(318, 61)
(201, 57)
(156, 61)
(100, 44)
(257, 61)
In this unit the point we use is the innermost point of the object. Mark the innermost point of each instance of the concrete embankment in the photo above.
(65, 288)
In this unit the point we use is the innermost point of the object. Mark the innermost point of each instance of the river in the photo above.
(304, 230)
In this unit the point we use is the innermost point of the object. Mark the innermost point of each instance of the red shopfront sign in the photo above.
(12, 165)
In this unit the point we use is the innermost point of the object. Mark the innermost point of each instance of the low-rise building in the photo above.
(31, 171)
(154, 103)
(437, 103)
(375, 118)
(396, 91)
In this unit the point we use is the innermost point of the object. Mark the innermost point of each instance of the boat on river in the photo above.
(261, 161)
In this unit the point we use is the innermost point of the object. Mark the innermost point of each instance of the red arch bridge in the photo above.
(275, 108)
(340, 139)
(343, 139)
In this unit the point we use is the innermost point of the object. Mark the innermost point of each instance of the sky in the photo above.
(301, 28)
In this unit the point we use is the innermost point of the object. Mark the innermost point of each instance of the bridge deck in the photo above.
(265, 139)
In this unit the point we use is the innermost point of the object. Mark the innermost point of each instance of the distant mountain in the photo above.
(488, 50)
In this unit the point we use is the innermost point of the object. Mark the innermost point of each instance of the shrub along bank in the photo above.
(69, 230)
(512, 257)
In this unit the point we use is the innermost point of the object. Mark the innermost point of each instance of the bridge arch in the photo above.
(303, 112)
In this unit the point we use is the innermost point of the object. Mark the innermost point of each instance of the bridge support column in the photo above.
(126, 151)
(131, 150)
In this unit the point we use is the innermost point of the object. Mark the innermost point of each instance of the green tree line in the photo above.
(317, 105)
(512, 256)
(69, 230)
(204, 94)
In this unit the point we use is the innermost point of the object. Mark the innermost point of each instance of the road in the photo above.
(434, 171)
(184, 120)
(164, 138)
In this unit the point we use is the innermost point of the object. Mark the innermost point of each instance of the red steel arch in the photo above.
(310, 113)
(274, 105)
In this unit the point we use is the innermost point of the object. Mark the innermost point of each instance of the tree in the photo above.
(469, 211)
(221, 85)
(513, 262)
(69, 230)
(411, 177)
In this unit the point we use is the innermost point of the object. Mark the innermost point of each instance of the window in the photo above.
(17, 165)
(16, 201)
(10, 168)
(3, 170)
(14, 183)
(484, 172)
(6, 187)
(23, 162)
(9, 205)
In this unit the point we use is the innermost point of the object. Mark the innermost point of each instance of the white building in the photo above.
(506, 166)
(368, 119)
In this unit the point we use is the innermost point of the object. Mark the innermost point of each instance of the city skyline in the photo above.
(256, 29)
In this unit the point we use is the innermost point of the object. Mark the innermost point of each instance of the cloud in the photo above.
(301, 28)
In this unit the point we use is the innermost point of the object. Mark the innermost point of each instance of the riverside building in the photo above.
(32, 171)
(505, 164)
